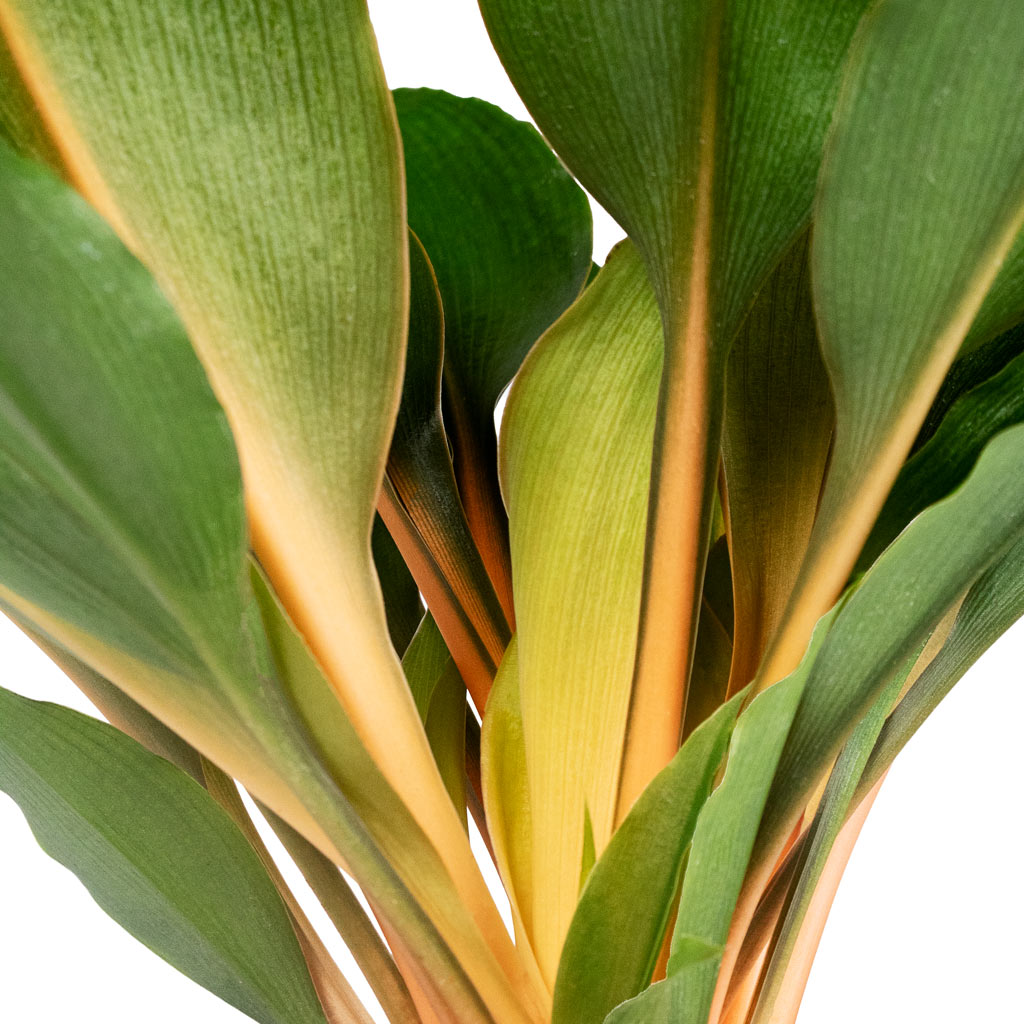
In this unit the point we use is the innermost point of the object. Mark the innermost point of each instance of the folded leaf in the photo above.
(631, 888)
(420, 474)
(920, 200)
(509, 235)
(575, 444)
(699, 127)
(158, 855)
(775, 444)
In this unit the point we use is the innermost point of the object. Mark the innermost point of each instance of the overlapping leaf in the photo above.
(722, 845)
(576, 443)
(631, 889)
(509, 235)
(182, 124)
(699, 127)
(920, 201)
(431, 527)
(775, 444)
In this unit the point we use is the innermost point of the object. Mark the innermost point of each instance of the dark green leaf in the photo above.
(509, 235)
(158, 855)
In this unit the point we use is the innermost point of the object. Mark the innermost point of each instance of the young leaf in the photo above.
(509, 235)
(158, 855)
(920, 200)
(575, 443)
(632, 886)
(775, 444)
(699, 126)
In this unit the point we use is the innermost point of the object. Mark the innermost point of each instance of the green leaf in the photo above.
(135, 564)
(351, 921)
(967, 373)
(401, 595)
(775, 445)
(722, 842)
(158, 855)
(942, 464)
(1003, 307)
(991, 606)
(699, 127)
(575, 443)
(908, 590)
(440, 551)
(631, 888)
(920, 200)
(248, 153)
(509, 235)
(387, 822)
(20, 123)
(131, 561)
(440, 697)
(779, 988)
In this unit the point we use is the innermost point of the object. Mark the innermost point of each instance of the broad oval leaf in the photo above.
(575, 444)
(920, 200)
(158, 855)
(508, 233)
(699, 127)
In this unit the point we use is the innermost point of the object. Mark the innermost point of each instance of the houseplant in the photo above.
(247, 154)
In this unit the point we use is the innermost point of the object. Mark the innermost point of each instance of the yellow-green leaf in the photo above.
(575, 443)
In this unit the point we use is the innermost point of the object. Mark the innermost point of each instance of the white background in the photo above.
(927, 922)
